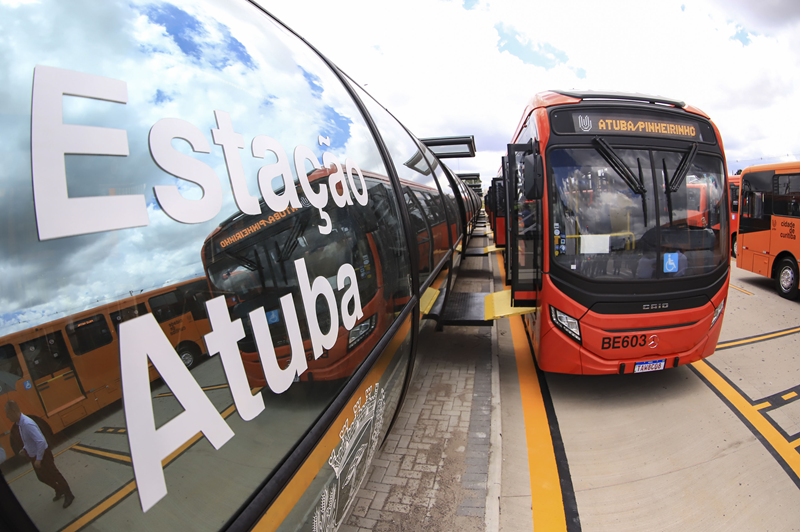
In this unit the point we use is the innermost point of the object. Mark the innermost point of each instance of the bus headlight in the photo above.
(718, 313)
(361, 331)
(566, 323)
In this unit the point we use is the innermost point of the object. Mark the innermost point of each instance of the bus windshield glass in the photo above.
(625, 214)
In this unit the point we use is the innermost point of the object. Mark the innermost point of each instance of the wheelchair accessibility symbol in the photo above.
(670, 262)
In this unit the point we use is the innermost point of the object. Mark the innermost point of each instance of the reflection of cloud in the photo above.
(178, 60)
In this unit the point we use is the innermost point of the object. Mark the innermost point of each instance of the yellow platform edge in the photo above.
(427, 300)
(498, 305)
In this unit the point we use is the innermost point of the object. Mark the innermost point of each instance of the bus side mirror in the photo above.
(533, 177)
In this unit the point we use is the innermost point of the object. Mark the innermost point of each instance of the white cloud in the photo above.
(437, 66)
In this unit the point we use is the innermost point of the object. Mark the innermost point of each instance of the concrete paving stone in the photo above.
(409, 474)
(474, 477)
(475, 494)
(380, 463)
(476, 461)
(474, 503)
(473, 485)
(424, 468)
(376, 486)
(366, 494)
(480, 469)
(394, 507)
(397, 481)
(420, 446)
(362, 522)
(472, 512)
(378, 474)
(478, 447)
(380, 515)
(378, 501)
(413, 485)
(407, 463)
(422, 458)
(348, 528)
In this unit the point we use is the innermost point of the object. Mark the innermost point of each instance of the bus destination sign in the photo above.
(627, 123)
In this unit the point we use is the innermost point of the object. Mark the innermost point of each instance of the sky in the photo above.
(469, 67)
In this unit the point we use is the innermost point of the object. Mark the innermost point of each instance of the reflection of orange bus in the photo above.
(64, 370)
(257, 269)
(770, 219)
(734, 182)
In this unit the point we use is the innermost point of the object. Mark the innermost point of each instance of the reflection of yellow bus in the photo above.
(64, 370)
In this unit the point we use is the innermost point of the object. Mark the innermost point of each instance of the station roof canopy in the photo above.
(470, 177)
(451, 147)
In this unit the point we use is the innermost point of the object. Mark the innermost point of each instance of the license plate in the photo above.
(650, 365)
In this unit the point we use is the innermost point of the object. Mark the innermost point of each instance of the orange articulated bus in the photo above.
(768, 226)
(66, 369)
(619, 235)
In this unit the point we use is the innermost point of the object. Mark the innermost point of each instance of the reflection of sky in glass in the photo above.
(179, 60)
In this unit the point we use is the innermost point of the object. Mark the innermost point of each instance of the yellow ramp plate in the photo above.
(491, 249)
(498, 305)
(427, 300)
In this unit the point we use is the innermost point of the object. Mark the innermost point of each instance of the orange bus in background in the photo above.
(734, 183)
(619, 231)
(64, 370)
(769, 222)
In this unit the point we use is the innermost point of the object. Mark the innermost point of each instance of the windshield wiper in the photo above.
(672, 185)
(636, 185)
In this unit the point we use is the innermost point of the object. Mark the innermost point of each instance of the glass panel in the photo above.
(88, 334)
(605, 229)
(45, 355)
(690, 234)
(599, 223)
(10, 369)
(126, 314)
(215, 115)
(786, 202)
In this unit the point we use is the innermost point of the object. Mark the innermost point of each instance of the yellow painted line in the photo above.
(789, 396)
(741, 290)
(217, 387)
(785, 449)
(129, 488)
(762, 406)
(759, 338)
(547, 501)
(107, 454)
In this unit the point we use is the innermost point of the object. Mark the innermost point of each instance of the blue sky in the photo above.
(454, 67)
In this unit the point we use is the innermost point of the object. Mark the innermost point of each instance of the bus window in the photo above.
(88, 334)
(753, 205)
(126, 314)
(166, 306)
(10, 370)
(45, 355)
(787, 200)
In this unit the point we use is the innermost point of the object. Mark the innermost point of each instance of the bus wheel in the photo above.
(188, 356)
(786, 278)
(733, 247)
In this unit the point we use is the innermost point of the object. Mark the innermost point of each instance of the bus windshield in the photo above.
(622, 214)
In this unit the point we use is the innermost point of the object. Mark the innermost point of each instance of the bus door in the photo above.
(95, 356)
(756, 221)
(499, 213)
(52, 372)
(525, 235)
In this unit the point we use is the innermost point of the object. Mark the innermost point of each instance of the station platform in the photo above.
(442, 464)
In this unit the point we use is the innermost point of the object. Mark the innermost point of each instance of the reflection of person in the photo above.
(646, 267)
(36, 449)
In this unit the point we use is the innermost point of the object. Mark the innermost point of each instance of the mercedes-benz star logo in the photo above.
(652, 342)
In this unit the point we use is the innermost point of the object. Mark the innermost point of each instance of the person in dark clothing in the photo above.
(35, 447)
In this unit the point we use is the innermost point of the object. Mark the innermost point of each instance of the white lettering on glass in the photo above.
(310, 293)
(142, 338)
(184, 167)
(268, 173)
(58, 215)
(222, 339)
(231, 143)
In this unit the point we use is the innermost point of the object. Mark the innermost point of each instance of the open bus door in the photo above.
(524, 220)
(499, 212)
